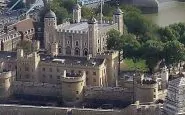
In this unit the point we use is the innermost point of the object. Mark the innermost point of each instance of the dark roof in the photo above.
(8, 55)
(118, 11)
(50, 14)
(71, 60)
(24, 25)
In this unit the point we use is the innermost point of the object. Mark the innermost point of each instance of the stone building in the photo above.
(11, 35)
(146, 90)
(39, 74)
(80, 38)
(174, 102)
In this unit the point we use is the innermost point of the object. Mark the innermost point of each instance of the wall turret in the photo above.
(72, 87)
(93, 34)
(146, 90)
(50, 26)
(164, 77)
(76, 13)
(118, 18)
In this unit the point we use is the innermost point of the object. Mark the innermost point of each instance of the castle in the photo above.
(75, 66)
(80, 38)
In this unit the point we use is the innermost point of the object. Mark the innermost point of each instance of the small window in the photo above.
(86, 72)
(79, 71)
(76, 43)
(43, 69)
(94, 73)
(58, 70)
(68, 42)
(50, 76)
(94, 80)
(43, 76)
(77, 98)
(77, 92)
(85, 43)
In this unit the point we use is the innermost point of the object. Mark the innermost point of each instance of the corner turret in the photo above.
(50, 25)
(93, 34)
(76, 13)
(118, 18)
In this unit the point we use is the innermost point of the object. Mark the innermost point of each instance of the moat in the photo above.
(169, 13)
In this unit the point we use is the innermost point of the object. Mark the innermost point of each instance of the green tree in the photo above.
(58, 8)
(137, 24)
(114, 40)
(174, 52)
(130, 46)
(153, 53)
(167, 34)
(87, 12)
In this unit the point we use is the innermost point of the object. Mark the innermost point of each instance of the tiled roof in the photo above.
(72, 60)
(24, 25)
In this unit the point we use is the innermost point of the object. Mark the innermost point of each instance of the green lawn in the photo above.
(129, 65)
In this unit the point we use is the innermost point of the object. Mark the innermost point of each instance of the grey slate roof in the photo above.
(50, 14)
(8, 55)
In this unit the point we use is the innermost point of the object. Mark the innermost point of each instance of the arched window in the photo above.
(68, 50)
(59, 50)
(85, 52)
(76, 43)
(77, 51)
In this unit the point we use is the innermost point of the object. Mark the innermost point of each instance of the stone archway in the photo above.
(85, 52)
(77, 52)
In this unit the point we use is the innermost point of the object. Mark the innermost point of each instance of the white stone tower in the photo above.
(93, 36)
(76, 13)
(164, 77)
(118, 18)
(50, 25)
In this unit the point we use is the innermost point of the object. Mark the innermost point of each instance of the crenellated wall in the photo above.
(109, 93)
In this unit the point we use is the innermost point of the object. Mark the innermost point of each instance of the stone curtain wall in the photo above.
(31, 88)
(30, 110)
(110, 93)
(34, 110)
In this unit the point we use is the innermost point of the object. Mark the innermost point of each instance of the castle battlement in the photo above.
(72, 31)
(73, 77)
(150, 85)
(110, 89)
(106, 22)
(33, 84)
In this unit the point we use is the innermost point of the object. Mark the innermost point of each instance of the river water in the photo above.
(169, 13)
